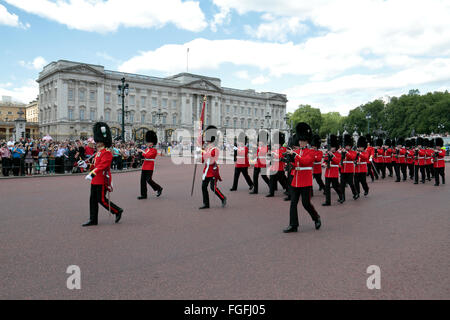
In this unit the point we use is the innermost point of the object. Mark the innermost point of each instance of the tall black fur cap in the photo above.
(439, 142)
(211, 133)
(348, 140)
(369, 138)
(150, 136)
(303, 131)
(102, 133)
(362, 142)
(379, 142)
(401, 141)
(315, 141)
(333, 141)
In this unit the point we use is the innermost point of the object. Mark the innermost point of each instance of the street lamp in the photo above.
(440, 127)
(122, 91)
(368, 117)
(159, 114)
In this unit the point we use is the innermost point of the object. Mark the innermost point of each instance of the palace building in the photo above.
(73, 96)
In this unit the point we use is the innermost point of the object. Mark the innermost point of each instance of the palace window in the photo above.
(81, 95)
(70, 94)
(92, 115)
(132, 100)
(107, 97)
(107, 115)
(154, 102)
(143, 117)
(92, 95)
(143, 100)
(164, 103)
(81, 114)
(71, 114)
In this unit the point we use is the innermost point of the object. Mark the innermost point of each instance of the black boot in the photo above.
(204, 207)
(269, 195)
(90, 223)
(118, 216)
(158, 193)
(287, 199)
(290, 229)
(141, 197)
(224, 202)
(317, 224)
(326, 204)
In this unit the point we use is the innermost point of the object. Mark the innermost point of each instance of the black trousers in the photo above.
(146, 177)
(98, 195)
(213, 184)
(389, 167)
(397, 171)
(403, 169)
(360, 178)
(430, 171)
(16, 166)
(274, 179)
(411, 170)
(347, 178)
(318, 178)
(439, 172)
(305, 193)
(416, 173)
(371, 171)
(335, 183)
(6, 163)
(381, 169)
(256, 172)
(237, 172)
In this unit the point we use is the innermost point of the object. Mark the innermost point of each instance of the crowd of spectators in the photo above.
(28, 157)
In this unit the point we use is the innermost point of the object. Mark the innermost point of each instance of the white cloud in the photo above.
(220, 18)
(37, 64)
(26, 93)
(277, 30)
(243, 74)
(107, 16)
(11, 19)
(260, 80)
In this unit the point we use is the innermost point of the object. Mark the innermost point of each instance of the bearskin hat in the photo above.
(401, 141)
(333, 141)
(348, 140)
(263, 136)
(242, 138)
(408, 143)
(387, 142)
(425, 142)
(102, 133)
(362, 142)
(439, 142)
(419, 141)
(150, 136)
(279, 137)
(379, 142)
(369, 139)
(316, 141)
(303, 131)
(211, 134)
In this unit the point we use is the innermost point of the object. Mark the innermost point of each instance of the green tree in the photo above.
(305, 113)
(331, 124)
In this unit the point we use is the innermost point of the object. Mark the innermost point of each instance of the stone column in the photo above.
(100, 102)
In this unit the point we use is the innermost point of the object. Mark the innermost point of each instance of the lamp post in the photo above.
(122, 91)
(159, 114)
(440, 127)
(368, 117)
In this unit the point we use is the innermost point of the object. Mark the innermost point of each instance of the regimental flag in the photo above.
(201, 125)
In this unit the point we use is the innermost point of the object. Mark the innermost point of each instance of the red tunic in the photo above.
(318, 162)
(363, 160)
(277, 164)
(261, 154)
(149, 158)
(101, 170)
(428, 156)
(303, 168)
(209, 157)
(388, 156)
(402, 156)
(410, 156)
(349, 162)
(333, 170)
(379, 156)
(440, 162)
(421, 158)
(242, 158)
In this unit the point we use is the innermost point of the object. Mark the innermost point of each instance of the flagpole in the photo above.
(187, 60)
(199, 142)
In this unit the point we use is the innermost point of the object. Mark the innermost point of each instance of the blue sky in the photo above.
(331, 54)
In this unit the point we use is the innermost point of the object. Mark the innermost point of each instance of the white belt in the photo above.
(387, 156)
(240, 157)
(348, 162)
(334, 166)
(362, 162)
(400, 156)
(303, 168)
(149, 159)
(420, 158)
(264, 158)
(317, 162)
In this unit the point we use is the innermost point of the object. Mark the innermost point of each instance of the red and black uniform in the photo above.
(370, 169)
(149, 157)
(347, 171)
(362, 163)
(211, 174)
(410, 162)
(388, 153)
(429, 163)
(100, 184)
(332, 161)
(241, 166)
(317, 171)
(260, 165)
(402, 163)
(379, 161)
(277, 171)
(302, 185)
(419, 163)
(439, 166)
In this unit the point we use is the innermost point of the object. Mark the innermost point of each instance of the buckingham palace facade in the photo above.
(73, 96)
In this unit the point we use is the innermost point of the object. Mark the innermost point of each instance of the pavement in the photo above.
(165, 248)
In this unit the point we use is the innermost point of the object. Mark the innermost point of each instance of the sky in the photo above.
(331, 54)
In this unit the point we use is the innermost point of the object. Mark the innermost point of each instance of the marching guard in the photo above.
(379, 158)
(242, 162)
(439, 163)
(362, 161)
(100, 176)
(348, 158)
(277, 164)
(317, 171)
(429, 158)
(410, 157)
(211, 174)
(332, 160)
(388, 151)
(419, 161)
(260, 164)
(372, 171)
(301, 185)
(149, 157)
